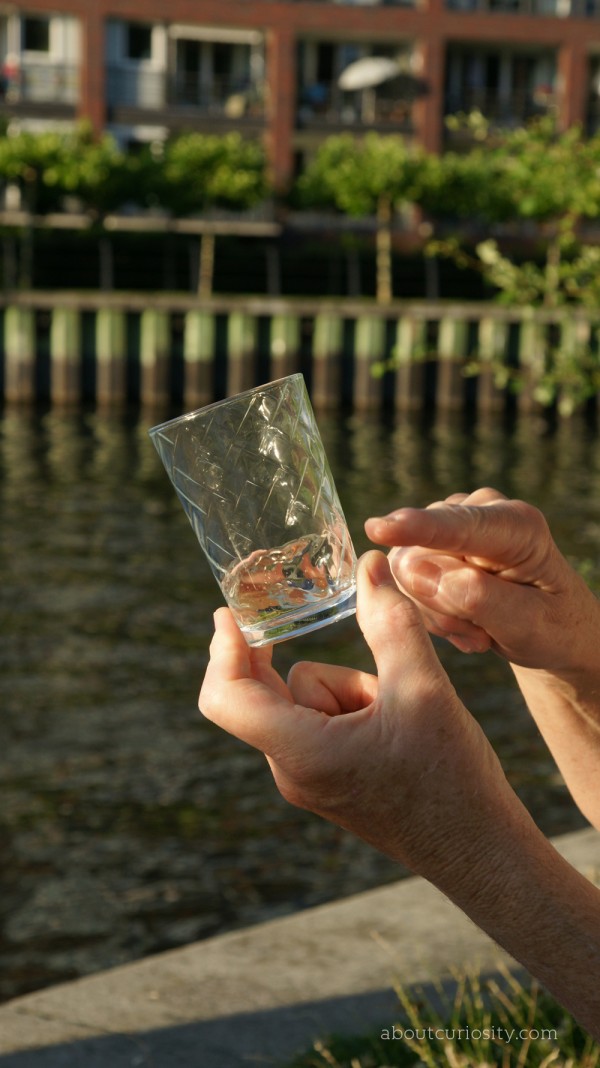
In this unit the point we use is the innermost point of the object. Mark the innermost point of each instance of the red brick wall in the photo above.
(430, 27)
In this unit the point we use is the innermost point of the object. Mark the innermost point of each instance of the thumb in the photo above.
(391, 623)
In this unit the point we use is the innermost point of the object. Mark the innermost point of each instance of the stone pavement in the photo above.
(258, 996)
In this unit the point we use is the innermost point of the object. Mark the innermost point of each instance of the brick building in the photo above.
(270, 68)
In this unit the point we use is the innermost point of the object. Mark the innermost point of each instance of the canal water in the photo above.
(128, 824)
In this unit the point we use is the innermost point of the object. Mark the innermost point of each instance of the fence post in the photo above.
(111, 357)
(242, 330)
(19, 354)
(198, 358)
(285, 344)
(452, 349)
(327, 355)
(492, 343)
(409, 356)
(155, 343)
(369, 346)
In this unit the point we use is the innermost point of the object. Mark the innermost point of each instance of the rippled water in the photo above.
(129, 824)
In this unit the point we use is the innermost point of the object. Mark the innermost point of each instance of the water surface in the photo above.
(129, 824)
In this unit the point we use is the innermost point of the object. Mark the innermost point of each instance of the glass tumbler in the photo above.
(252, 475)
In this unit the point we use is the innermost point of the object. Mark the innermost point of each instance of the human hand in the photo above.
(395, 758)
(487, 573)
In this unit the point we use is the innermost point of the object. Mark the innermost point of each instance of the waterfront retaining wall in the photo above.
(121, 348)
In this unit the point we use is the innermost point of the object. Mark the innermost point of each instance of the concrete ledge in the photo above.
(258, 996)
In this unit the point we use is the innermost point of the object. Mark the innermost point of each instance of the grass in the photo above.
(494, 1022)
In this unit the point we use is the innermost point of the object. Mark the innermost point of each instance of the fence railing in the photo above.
(119, 348)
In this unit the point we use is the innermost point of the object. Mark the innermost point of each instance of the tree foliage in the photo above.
(354, 176)
(376, 176)
(200, 171)
(190, 174)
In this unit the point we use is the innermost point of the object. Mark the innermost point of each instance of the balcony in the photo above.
(47, 83)
(136, 95)
(512, 110)
(372, 3)
(325, 106)
(540, 8)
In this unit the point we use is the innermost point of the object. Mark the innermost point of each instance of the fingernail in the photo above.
(392, 517)
(425, 579)
(379, 571)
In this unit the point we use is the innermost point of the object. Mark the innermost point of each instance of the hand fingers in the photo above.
(238, 693)
(330, 688)
(392, 626)
(454, 593)
(501, 534)
(461, 633)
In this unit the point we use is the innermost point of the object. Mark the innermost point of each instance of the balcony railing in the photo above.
(505, 111)
(152, 90)
(372, 3)
(228, 96)
(43, 83)
(325, 104)
(542, 8)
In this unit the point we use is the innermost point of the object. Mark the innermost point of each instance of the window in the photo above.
(138, 41)
(36, 34)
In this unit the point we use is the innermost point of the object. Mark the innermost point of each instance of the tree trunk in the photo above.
(552, 272)
(384, 251)
(207, 265)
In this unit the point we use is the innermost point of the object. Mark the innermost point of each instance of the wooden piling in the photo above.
(409, 356)
(65, 356)
(575, 340)
(452, 350)
(19, 355)
(369, 347)
(285, 345)
(348, 338)
(198, 358)
(242, 334)
(111, 357)
(492, 342)
(532, 361)
(155, 344)
(327, 357)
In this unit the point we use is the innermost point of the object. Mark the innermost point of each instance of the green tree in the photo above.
(204, 171)
(547, 185)
(200, 172)
(377, 176)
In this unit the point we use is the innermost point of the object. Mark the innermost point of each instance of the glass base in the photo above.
(302, 622)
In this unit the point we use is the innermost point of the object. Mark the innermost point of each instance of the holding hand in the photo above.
(487, 574)
(396, 758)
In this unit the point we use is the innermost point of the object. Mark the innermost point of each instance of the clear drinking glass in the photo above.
(253, 478)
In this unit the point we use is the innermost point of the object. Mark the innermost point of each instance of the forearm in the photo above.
(566, 708)
(539, 909)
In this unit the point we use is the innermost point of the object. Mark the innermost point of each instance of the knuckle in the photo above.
(472, 590)
(530, 515)
(485, 495)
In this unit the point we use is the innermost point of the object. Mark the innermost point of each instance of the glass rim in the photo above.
(185, 416)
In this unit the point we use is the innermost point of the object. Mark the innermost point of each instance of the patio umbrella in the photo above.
(368, 72)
